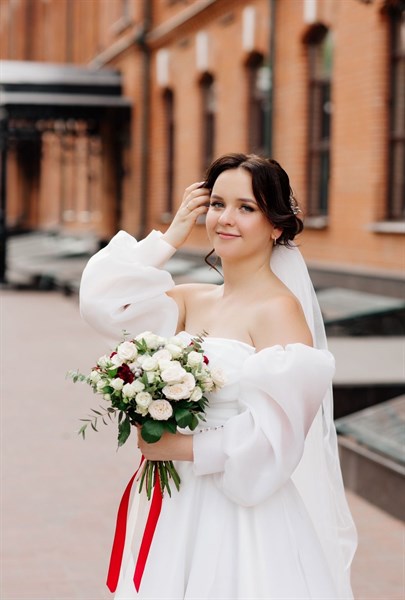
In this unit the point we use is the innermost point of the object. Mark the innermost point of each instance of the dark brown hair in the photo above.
(271, 189)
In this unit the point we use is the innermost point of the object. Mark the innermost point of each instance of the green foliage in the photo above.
(152, 431)
(124, 430)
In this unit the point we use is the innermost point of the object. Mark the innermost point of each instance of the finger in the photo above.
(191, 188)
(196, 199)
(194, 186)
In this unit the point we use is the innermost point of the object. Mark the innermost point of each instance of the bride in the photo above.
(261, 511)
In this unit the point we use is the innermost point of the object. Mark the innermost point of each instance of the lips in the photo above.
(227, 236)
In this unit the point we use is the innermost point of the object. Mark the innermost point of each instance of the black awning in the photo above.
(42, 90)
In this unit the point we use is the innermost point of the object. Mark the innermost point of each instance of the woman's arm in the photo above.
(123, 286)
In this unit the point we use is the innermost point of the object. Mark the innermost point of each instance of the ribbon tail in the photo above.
(150, 527)
(119, 536)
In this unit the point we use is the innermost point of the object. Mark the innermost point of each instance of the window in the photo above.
(168, 100)
(320, 55)
(258, 77)
(208, 101)
(396, 142)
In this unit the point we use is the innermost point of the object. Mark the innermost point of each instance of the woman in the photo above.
(261, 511)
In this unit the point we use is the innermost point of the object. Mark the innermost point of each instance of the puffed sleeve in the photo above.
(124, 288)
(281, 391)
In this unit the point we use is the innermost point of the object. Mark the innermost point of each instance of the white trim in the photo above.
(201, 51)
(320, 222)
(248, 28)
(387, 227)
(162, 67)
(310, 11)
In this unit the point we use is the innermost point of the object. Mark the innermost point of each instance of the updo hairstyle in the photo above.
(271, 189)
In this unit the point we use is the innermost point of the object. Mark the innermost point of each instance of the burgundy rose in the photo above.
(205, 359)
(125, 373)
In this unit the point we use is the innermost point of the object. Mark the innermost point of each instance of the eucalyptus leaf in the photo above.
(124, 429)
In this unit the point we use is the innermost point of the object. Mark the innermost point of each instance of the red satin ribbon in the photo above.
(150, 527)
(120, 532)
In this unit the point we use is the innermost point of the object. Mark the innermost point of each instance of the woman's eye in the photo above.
(246, 208)
(216, 204)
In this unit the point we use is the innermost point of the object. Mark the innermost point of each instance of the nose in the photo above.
(227, 216)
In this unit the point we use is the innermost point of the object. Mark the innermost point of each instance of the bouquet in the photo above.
(157, 384)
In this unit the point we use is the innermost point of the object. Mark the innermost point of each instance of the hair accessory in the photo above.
(294, 206)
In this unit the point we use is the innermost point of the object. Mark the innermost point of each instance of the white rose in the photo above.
(150, 376)
(127, 351)
(149, 364)
(104, 361)
(189, 381)
(165, 364)
(116, 361)
(177, 341)
(194, 359)
(196, 394)
(141, 359)
(152, 341)
(175, 350)
(128, 390)
(176, 391)
(116, 384)
(218, 377)
(207, 384)
(143, 400)
(160, 410)
(137, 386)
(174, 373)
(161, 355)
(101, 383)
(94, 376)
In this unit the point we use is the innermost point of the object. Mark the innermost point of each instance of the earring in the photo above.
(274, 241)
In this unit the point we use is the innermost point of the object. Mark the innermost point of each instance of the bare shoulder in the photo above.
(280, 320)
(187, 291)
(186, 294)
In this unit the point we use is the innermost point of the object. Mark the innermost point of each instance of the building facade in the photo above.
(317, 84)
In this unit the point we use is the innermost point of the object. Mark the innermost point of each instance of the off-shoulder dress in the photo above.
(238, 528)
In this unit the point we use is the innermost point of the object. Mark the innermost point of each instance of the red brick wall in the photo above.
(102, 35)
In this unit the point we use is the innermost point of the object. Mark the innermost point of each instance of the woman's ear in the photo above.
(276, 234)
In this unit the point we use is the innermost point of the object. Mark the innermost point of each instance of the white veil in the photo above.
(318, 477)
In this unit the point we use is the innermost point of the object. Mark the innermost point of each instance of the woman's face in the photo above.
(236, 226)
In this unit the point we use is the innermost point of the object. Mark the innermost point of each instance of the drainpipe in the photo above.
(3, 199)
(272, 45)
(146, 95)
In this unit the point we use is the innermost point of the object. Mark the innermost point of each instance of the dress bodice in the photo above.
(228, 355)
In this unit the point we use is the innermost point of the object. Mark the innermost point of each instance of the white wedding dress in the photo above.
(238, 528)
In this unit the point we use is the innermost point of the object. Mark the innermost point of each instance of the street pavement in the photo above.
(59, 495)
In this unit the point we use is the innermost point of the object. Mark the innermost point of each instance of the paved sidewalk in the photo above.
(59, 495)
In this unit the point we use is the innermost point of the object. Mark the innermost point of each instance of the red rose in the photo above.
(125, 373)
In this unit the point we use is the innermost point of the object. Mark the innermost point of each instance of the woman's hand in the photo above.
(171, 446)
(195, 203)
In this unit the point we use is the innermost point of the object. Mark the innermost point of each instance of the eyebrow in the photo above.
(239, 199)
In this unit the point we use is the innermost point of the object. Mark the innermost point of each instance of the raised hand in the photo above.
(195, 203)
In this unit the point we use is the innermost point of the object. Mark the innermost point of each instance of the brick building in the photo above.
(318, 84)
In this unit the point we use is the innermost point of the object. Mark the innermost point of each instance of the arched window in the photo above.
(168, 101)
(208, 113)
(258, 81)
(320, 58)
(396, 140)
